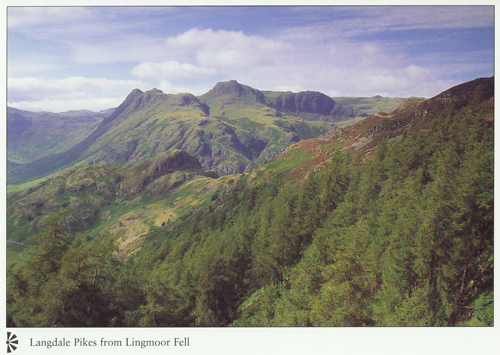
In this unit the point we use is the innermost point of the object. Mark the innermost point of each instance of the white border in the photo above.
(237, 341)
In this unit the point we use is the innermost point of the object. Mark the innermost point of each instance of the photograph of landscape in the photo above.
(250, 166)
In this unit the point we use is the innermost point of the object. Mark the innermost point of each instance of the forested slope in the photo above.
(399, 233)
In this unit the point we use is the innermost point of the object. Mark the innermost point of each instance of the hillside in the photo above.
(108, 198)
(388, 222)
(364, 136)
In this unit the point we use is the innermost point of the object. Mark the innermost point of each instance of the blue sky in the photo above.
(72, 58)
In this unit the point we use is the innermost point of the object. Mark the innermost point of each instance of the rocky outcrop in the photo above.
(233, 89)
(291, 137)
(308, 101)
(476, 91)
(165, 163)
(171, 161)
(211, 174)
(138, 99)
(190, 99)
(309, 105)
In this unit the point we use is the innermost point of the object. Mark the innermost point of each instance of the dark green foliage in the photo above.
(484, 309)
(64, 282)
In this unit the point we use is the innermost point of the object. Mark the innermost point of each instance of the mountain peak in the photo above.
(229, 87)
(155, 90)
(480, 89)
(230, 91)
(128, 100)
(134, 93)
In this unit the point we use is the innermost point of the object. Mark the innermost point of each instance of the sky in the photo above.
(73, 58)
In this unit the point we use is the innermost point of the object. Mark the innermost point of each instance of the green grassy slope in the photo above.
(109, 198)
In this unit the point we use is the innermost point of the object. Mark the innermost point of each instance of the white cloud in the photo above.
(91, 103)
(416, 72)
(399, 82)
(71, 93)
(228, 50)
(69, 84)
(88, 35)
(196, 89)
(171, 70)
(315, 62)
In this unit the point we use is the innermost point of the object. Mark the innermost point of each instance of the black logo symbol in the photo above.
(11, 342)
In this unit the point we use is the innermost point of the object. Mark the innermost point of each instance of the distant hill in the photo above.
(365, 106)
(32, 135)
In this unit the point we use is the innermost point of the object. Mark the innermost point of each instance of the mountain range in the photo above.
(233, 128)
